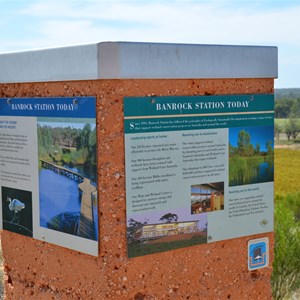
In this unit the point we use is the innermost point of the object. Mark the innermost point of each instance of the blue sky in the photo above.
(259, 135)
(35, 24)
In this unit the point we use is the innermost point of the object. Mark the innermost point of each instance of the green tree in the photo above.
(243, 142)
(292, 128)
(84, 136)
(269, 147)
(69, 136)
(295, 109)
(92, 149)
(257, 149)
(277, 129)
(283, 107)
(87, 141)
(251, 150)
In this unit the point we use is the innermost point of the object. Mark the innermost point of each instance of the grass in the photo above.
(144, 249)
(246, 170)
(287, 171)
(286, 267)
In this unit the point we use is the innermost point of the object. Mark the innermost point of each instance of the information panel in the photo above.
(199, 169)
(48, 173)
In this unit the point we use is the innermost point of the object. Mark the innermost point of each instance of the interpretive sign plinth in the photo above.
(196, 120)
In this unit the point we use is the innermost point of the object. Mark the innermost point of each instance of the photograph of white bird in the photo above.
(16, 206)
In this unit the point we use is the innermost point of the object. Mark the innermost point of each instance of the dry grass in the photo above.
(287, 171)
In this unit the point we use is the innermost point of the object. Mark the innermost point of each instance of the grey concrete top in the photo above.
(124, 60)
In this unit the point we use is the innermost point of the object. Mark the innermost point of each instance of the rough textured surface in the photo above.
(38, 270)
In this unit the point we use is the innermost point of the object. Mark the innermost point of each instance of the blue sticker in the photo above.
(258, 253)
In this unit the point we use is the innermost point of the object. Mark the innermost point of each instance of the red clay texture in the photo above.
(39, 270)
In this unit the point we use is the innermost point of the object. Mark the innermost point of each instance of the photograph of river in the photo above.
(251, 155)
(67, 177)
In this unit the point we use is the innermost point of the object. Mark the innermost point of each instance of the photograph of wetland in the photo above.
(67, 177)
(251, 155)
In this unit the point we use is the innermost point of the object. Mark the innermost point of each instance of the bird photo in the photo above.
(17, 210)
(15, 206)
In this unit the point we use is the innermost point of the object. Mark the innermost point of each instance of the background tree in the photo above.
(277, 130)
(283, 107)
(292, 128)
(295, 109)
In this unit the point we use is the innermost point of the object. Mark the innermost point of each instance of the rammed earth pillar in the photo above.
(142, 171)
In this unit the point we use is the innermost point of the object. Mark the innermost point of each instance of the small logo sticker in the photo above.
(264, 222)
(258, 254)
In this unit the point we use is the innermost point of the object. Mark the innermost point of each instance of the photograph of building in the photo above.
(155, 231)
(207, 197)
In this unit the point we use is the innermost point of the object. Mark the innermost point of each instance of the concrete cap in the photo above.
(130, 60)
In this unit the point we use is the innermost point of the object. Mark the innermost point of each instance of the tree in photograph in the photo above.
(269, 147)
(86, 143)
(133, 226)
(257, 149)
(244, 143)
(83, 138)
(169, 217)
(69, 136)
(92, 147)
(251, 150)
(45, 140)
(232, 150)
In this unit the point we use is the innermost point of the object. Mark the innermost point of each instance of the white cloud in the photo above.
(165, 21)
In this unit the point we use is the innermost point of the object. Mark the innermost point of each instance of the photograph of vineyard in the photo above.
(251, 155)
(67, 177)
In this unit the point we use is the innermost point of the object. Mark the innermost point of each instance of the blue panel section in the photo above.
(258, 255)
(76, 107)
(187, 105)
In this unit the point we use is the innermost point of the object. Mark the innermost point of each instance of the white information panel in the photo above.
(48, 187)
(198, 170)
